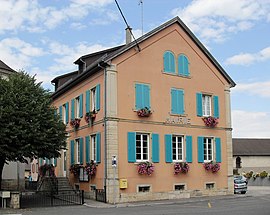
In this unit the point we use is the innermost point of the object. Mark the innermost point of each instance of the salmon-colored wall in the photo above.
(147, 67)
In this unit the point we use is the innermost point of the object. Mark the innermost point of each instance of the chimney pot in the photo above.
(128, 35)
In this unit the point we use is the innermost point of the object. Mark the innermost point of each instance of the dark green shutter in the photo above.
(55, 162)
(81, 106)
(199, 104)
(98, 152)
(189, 149)
(67, 112)
(216, 107)
(155, 148)
(87, 149)
(87, 101)
(98, 97)
(168, 148)
(61, 112)
(218, 149)
(131, 147)
(200, 150)
(81, 150)
(72, 152)
(72, 109)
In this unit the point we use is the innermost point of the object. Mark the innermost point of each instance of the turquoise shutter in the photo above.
(218, 149)
(98, 97)
(87, 101)
(146, 96)
(199, 104)
(168, 148)
(55, 112)
(177, 101)
(189, 149)
(67, 112)
(183, 65)
(216, 107)
(81, 106)
(72, 109)
(55, 162)
(61, 112)
(155, 148)
(72, 152)
(200, 150)
(138, 96)
(98, 152)
(81, 150)
(87, 149)
(40, 162)
(47, 161)
(131, 147)
(169, 64)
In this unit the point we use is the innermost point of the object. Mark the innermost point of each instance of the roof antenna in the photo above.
(141, 3)
(139, 49)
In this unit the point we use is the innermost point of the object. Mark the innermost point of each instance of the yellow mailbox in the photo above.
(123, 183)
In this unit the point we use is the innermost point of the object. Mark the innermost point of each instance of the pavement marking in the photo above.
(209, 205)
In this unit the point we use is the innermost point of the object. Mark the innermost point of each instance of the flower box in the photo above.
(75, 123)
(75, 169)
(181, 167)
(144, 112)
(90, 116)
(210, 121)
(145, 168)
(211, 166)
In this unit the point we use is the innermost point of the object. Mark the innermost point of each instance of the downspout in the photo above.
(105, 127)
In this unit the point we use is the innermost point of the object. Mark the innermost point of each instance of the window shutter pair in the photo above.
(169, 64)
(88, 148)
(199, 105)
(88, 99)
(177, 101)
(168, 148)
(183, 65)
(132, 147)
(72, 151)
(80, 107)
(142, 92)
(201, 149)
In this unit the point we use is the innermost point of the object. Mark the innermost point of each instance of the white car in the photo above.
(240, 186)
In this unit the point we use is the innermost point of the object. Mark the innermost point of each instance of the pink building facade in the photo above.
(154, 101)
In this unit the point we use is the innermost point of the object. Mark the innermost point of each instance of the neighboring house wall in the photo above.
(13, 176)
(255, 163)
(138, 79)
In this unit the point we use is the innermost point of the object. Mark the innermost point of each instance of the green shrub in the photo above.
(263, 174)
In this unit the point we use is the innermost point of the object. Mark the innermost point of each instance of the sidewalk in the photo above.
(94, 204)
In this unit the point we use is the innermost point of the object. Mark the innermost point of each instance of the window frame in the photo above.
(177, 148)
(206, 153)
(93, 99)
(93, 147)
(77, 151)
(64, 114)
(141, 159)
(206, 109)
(77, 107)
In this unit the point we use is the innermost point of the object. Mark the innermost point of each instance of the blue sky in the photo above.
(46, 37)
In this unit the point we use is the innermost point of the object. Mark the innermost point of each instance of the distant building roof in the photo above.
(251, 147)
(4, 66)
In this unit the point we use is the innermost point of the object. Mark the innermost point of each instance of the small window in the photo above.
(177, 148)
(93, 187)
(208, 149)
(143, 189)
(210, 186)
(93, 99)
(142, 96)
(77, 107)
(179, 187)
(94, 147)
(77, 155)
(142, 147)
(206, 105)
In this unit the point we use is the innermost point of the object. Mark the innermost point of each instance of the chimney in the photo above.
(128, 35)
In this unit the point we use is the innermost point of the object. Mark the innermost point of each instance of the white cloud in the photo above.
(216, 20)
(78, 26)
(251, 124)
(261, 89)
(246, 59)
(30, 15)
(19, 54)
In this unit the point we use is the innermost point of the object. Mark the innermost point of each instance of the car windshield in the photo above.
(239, 181)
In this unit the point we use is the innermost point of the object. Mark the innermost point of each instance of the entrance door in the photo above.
(65, 163)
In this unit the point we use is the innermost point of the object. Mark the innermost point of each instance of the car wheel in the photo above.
(243, 192)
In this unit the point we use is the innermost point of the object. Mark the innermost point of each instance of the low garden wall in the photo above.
(258, 179)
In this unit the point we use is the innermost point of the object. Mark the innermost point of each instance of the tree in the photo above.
(29, 126)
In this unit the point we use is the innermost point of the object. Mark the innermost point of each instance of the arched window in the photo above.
(169, 62)
(183, 65)
(238, 162)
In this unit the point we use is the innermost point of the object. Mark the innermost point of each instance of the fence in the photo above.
(101, 195)
(50, 198)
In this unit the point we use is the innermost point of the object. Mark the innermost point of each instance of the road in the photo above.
(256, 201)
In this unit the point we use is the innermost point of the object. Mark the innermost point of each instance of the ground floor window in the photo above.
(142, 147)
(208, 149)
